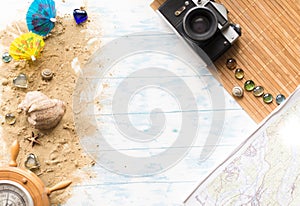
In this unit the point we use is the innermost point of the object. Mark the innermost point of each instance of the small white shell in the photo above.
(237, 91)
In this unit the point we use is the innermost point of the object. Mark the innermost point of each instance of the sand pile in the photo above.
(60, 154)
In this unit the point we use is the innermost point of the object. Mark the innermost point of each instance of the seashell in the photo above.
(237, 91)
(46, 114)
(43, 112)
(31, 98)
(42, 105)
(47, 74)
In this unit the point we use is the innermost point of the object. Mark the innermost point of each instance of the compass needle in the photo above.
(7, 199)
(15, 194)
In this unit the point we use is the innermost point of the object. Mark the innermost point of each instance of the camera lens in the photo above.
(200, 23)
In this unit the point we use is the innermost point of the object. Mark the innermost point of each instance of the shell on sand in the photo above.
(43, 113)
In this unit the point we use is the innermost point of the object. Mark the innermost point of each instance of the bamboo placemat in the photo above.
(268, 51)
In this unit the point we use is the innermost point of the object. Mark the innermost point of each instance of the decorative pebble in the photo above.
(21, 81)
(249, 85)
(10, 118)
(237, 91)
(47, 74)
(32, 162)
(6, 57)
(268, 98)
(258, 91)
(239, 73)
(231, 63)
(280, 98)
(80, 15)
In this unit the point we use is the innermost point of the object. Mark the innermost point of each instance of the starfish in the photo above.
(34, 139)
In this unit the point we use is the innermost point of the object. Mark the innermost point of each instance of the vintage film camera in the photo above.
(204, 25)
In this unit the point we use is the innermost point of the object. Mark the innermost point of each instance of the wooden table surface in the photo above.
(173, 185)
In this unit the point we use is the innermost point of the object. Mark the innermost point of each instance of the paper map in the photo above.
(264, 170)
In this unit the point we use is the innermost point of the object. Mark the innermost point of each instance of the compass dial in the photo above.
(14, 194)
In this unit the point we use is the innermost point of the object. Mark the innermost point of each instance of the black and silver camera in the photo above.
(203, 25)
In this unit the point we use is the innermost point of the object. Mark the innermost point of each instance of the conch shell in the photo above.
(43, 113)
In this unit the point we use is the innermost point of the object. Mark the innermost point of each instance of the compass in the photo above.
(20, 187)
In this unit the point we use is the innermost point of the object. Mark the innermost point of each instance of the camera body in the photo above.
(204, 25)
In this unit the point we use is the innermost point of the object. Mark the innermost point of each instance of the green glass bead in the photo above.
(268, 98)
(249, 85)
(239, 73)
(280, 98)
(258, 91)
(231, 63)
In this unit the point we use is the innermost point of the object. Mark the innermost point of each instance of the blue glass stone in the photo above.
(80, 15)
(280, 98)
(6, 57)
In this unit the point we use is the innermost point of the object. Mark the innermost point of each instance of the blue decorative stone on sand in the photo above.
(80, 15)
(6, 57)
(280, 98)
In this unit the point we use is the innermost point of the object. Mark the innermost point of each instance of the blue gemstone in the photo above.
(80, 16)
(6, 57)
(280, 98)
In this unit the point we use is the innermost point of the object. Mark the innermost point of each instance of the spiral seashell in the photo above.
(47, 74)
(237, 91)
(43, 113)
